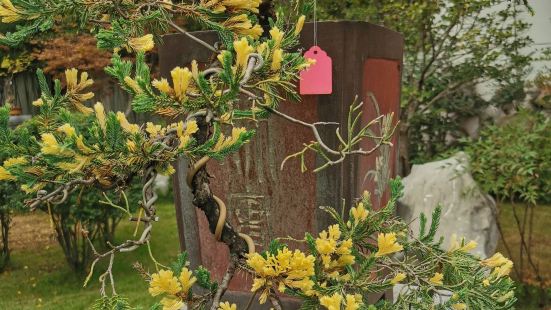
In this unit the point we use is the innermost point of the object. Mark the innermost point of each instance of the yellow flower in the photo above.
(325, 245)
(38, 102)
(16, 161)
(242, 50)
(353, 302)
(387, 244)
(30, 190)
(471, 245)
(285, 269)
(277, 58)
(75, 89)
(164, 282)
(100, 115)
(67, 129)
(220, 6)
(359, 213)
(256, 262)
(262, 48)
(459, 306)
(300, 24)
(172, 303)
(142, 44)
(8, 12)
(503, 270)
(181, 78)
(76, 166)
(241, 24)
(331, 302)
(226, 306)
(163, 86)
(277, 36)
(81, 146)
(255, 31)
(505, 297)
(50, 146)
(71, 75)
(437, 279)
(307, 64)
(456, 245)
(131, 146)
(225, 142)
(5, 175)
(152, 129)
(186, 279)
(130, 82)
(495, 261)
(399, 277)
(486, 282)
(130, 128)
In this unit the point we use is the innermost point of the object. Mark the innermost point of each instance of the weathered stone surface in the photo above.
(466, 210)
(162, 185)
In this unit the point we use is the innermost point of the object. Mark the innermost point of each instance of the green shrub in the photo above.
(513, 161)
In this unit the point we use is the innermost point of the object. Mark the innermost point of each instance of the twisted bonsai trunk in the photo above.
(204, 200)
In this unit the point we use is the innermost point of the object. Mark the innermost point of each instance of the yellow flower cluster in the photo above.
(300, 24)
(9, 13)
(75, 89)
(387, 244)
(227, 306)
(437, 279)
(358, 213)
(460, 306)
(502, 265)
(181, 78)
(100, 116)
(285, 269)
(16, 161)
(335, 254)
(219, 6)
(241, 24)
(130, 82)
(5, 175)
(225, 142)
(277, 36)
(142, 44)
(127, 126)
(242, 51)
(50, 146)
(68, 130)
(15, 65)
(399, 277)
(334, 302)
(177, 288)
(185, 131)
(456, 245)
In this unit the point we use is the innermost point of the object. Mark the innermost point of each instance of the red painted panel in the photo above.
(382, 78)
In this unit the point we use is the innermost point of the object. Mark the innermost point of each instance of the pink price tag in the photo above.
(318, 79)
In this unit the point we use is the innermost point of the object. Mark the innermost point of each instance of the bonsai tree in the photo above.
(255, 66)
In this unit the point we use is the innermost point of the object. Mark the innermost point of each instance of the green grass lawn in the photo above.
(43, 279)
(541, 247)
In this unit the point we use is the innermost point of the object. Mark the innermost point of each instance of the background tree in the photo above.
(450, 48)
(512, 161)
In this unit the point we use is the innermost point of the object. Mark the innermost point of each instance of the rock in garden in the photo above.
(162, 185)
(466, 210)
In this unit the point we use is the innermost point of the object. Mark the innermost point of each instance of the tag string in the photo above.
(315, 23)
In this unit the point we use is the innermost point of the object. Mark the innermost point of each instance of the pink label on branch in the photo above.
(318, 79)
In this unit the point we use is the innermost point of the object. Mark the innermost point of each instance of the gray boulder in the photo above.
(162, 185)
(466, 210)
